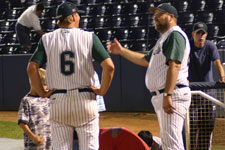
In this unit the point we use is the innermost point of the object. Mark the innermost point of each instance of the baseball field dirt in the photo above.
(134, 122)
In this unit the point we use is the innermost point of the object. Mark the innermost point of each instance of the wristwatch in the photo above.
(167, 94)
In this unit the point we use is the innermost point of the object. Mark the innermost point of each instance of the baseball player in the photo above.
(68, 52)
(33, 118)
(166, 76)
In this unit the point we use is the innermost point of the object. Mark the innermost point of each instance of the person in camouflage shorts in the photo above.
(33, 118)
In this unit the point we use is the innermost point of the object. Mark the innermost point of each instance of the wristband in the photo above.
(167, 94)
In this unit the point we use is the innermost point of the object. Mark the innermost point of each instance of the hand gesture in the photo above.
(39, 140)
(114, 47)
(167, 105)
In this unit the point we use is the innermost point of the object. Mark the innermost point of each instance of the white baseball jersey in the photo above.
(72, 64)
(155, 78)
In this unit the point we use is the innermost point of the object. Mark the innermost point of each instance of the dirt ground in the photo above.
(135, 122)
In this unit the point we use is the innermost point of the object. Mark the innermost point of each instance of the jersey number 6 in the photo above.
(67, 65)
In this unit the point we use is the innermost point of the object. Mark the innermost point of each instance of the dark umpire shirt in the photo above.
(201, 60)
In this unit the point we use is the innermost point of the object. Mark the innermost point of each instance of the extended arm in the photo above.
(135, 57)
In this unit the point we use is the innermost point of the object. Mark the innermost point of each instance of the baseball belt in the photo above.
(154, 93)
(65, 91)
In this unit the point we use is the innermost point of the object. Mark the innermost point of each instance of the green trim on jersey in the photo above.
(99, 53)
(39, 55)
(148, 55)
(174, 46)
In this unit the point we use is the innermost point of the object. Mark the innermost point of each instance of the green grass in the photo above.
(218, 147)
(10, 130)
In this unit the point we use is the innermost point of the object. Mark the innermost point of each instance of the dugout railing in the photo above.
(207, 105)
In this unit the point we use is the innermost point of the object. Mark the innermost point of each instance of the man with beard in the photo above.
(166, 76)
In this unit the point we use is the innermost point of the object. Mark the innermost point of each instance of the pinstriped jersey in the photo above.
(157, 69)
(69, 57)
(69, 53)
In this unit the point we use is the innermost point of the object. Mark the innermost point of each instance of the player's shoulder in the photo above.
(85, 31)
(177, 34)
(51, 34)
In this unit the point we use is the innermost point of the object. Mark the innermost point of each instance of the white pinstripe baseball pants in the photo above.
(88, 135)
(171, 125)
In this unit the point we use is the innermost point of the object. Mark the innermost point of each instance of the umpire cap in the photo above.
(166, 7)
(66, 9)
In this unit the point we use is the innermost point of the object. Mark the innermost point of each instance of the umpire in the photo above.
(69, 53)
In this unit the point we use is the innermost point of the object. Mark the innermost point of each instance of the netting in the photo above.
(207, 105)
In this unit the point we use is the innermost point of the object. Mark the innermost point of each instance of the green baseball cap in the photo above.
(66, 9)
(200, 26)
(166, 7)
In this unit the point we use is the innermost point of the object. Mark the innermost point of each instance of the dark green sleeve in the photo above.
(39, 55)
(174, 46)
(148, 55)
(99, 53)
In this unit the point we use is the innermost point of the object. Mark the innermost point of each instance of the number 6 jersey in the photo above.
(69, 53)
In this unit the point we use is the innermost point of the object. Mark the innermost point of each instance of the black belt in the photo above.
(162, 90)
(65, 91)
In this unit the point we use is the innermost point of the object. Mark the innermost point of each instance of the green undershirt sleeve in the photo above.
(174, 46)
(99, 53)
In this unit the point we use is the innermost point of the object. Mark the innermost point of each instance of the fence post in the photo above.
(187, 131)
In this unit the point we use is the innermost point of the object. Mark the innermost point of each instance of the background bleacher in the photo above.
(128, 20)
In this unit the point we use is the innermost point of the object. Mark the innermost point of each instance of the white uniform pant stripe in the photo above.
(62, 136)
(89, 135)
(171, 125)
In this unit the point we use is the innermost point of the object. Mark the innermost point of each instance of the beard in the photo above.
(162, 27)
